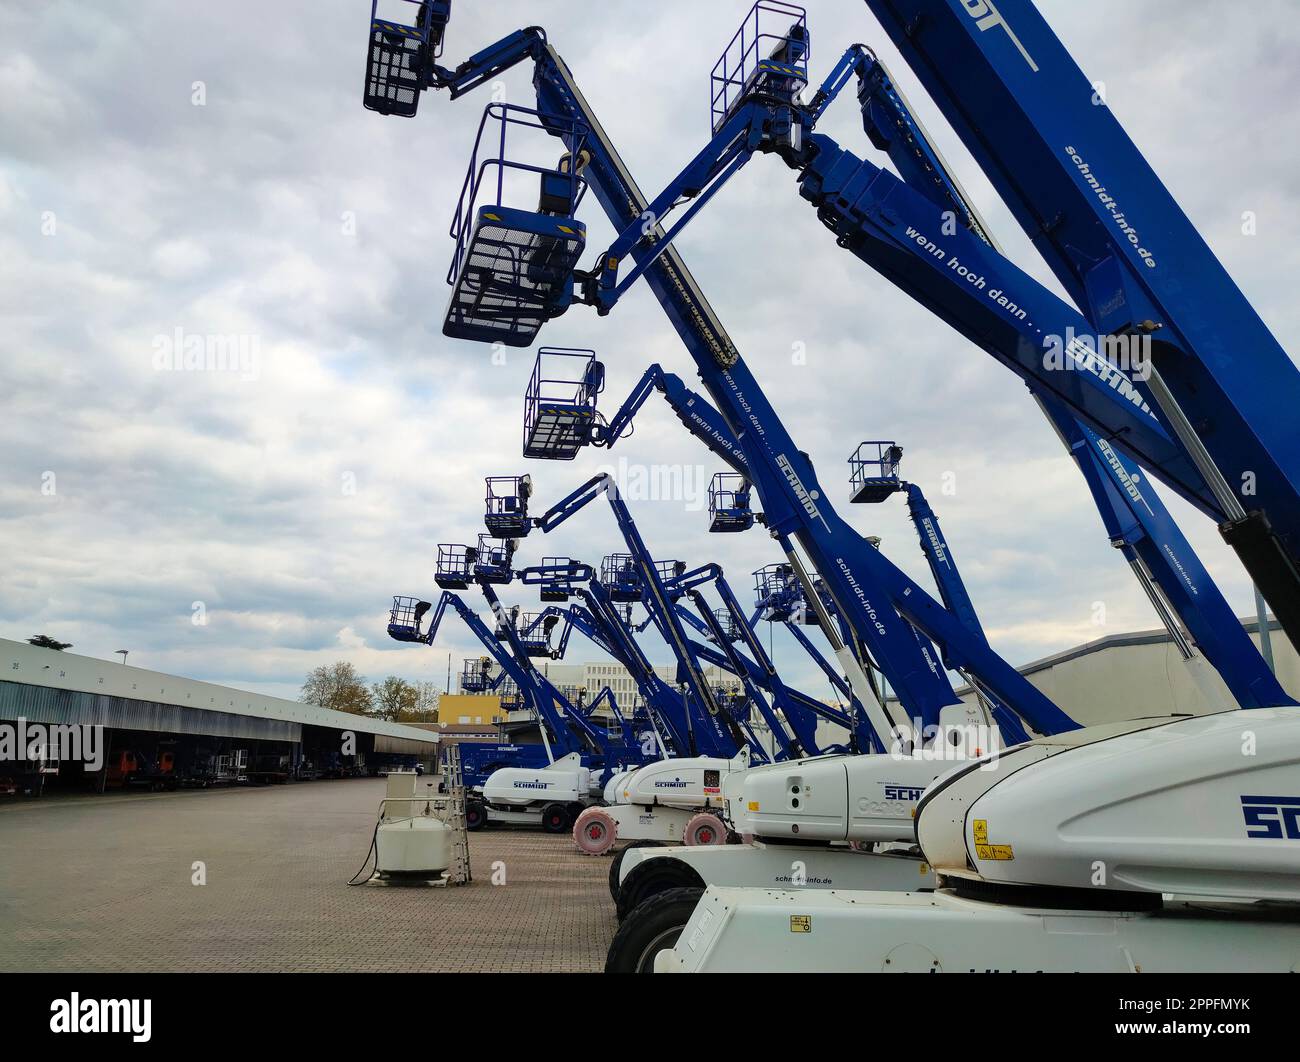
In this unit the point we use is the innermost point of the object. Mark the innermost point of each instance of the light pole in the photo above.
(122, 653)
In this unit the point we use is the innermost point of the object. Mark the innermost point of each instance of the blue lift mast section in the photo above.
(554, 710)
(406, 625)
(797, 734)
(676, 716)
(565, 728)
(703, 421)
(875, 477)
(757, 671)
(1169, 571)
(866, 587)
(1122, 247)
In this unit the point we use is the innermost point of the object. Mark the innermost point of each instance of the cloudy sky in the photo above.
(175, 170)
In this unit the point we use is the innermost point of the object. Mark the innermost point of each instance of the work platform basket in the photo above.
(621, 577)
(534, 629)
(493, 560)
(556, 578)
(476, 675)
(405, 617)
(873, 471)
(729, 504)
(768, 56)
(669, 571)
(780, 596)
(560, 403)
(727, 624)
(513, 266)
(455, 569)
(506, 506)
(400, 56)
(512, 699)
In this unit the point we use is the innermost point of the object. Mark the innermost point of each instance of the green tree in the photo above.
(393, 698)
(44, 641)
(337, 686)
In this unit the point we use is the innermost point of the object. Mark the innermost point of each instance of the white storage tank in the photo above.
(420, 845)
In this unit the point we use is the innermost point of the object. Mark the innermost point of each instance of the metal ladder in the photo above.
(455, 782)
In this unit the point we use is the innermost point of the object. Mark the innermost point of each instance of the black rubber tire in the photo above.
(652, 927)
(651, 878)
(476, 816)
(556, 819)
(616, 865)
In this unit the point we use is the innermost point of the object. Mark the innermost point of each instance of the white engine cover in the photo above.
(566, 781)
(694, 782)
(1206, 806)
(832, 798)
(615, 784)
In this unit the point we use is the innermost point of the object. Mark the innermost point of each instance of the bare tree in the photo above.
(427, 696)
(338, 687)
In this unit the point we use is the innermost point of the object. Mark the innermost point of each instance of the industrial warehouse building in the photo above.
(161, 731)
(1130, 676)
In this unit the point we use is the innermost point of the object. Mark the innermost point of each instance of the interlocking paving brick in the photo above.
(103, 883)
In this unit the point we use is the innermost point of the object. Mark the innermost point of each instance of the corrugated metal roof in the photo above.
(41, 704)
(29, 665)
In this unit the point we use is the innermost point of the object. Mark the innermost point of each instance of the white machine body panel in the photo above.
(833, 798)
(1203, 806)
(642, 822)
(615, 785)
(564, 781)
(691, 782)
(833, 931)
(783, 866)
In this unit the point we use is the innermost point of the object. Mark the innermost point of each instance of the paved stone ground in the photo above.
(103, 883)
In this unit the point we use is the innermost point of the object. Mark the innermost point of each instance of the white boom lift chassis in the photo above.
(550, 797)
(674, 801)
(1154, 846)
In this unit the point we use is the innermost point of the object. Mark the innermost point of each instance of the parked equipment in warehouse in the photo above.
(136, 769)
(232, 768)
(27, 776)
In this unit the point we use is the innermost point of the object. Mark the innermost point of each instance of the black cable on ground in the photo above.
(371, 852)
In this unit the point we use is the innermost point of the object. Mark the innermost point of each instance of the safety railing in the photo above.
(769, 50)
